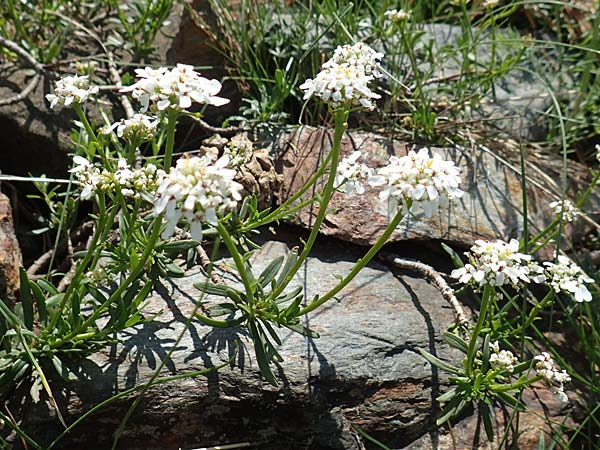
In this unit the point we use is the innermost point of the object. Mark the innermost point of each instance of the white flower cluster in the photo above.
(359, 55)
(498, 263)
(72, 89)
(345, 78)
(566, 276)
(396, 15)
(239, 150)
(139, 128)
(177, 88)
(490, 3)
(503, 359)
(567, 210)
(417, 179)
(130, 182)
(546, 368)
(351, 174)
(198, 190)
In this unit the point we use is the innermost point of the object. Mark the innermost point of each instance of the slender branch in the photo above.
(24, 93)
(436, 279)
(13, 46)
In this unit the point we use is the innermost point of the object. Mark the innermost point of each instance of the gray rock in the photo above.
(490, 209)
(10, 253)
(365, 369)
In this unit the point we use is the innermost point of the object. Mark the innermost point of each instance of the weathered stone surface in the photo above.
(10, 253)
(365, 369)
(542, 406)
(490, 209)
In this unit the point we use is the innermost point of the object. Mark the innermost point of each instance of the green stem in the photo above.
(135, 272)
(171, 125)
(488, 293)
(86, 124)
(358, 266)
(237, 258)
(102, 224)
(341, 117)
(281, 210)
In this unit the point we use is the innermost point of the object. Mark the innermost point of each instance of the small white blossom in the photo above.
(396, 15)
(360, 56)
(351, 174)
(497, 263)
(341, 84)
(503, 359)
(566, 209)
(129, 182)
(597, 148)
(175, 88)
(490, 3)
(566, 276)
(424, 181)
(199, 191)
(546, 368)
(138, 129)
(72, 89)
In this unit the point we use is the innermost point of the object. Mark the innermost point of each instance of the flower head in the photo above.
(503, 359)
(351, 174)
(498, 263)
(177, 88)
(72, 89)
(567, 210)
(129, 182)
(566, 276)
(547, 369)
(424, 182)
(139, 128)
(360, 56)
(198, 190)
(396, 15)
(341, 85)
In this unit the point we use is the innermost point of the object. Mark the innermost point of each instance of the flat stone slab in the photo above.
(365, 369)
(490, 209)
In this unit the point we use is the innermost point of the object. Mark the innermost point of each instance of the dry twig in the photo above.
(436, 279)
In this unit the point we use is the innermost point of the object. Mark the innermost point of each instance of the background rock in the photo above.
(10, 254)
(490, 209)
(365, 369)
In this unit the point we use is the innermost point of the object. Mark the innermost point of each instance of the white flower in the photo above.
(360, 56)
(546, 368)
(341, 84)
(351, 174)
(497, 263)
(566, 276)
(199, 191)
(503, 359)
(396, 15)
(176, 88)
(566, 209)
(597, 148)
(139, 128)
(129, 182)
(73, 89)
(490, 3)
(417, 179)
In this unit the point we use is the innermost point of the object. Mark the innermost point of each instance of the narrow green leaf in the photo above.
(439, 363)
(289, 263)
(40, 301)
(261, 354)
(219, 323)
(455, 257)
(455, 341)
(213, 289)
(270, 271)
(484, 410)
(447, 396)
(26, 299)
(304, 331)
(180, 245)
